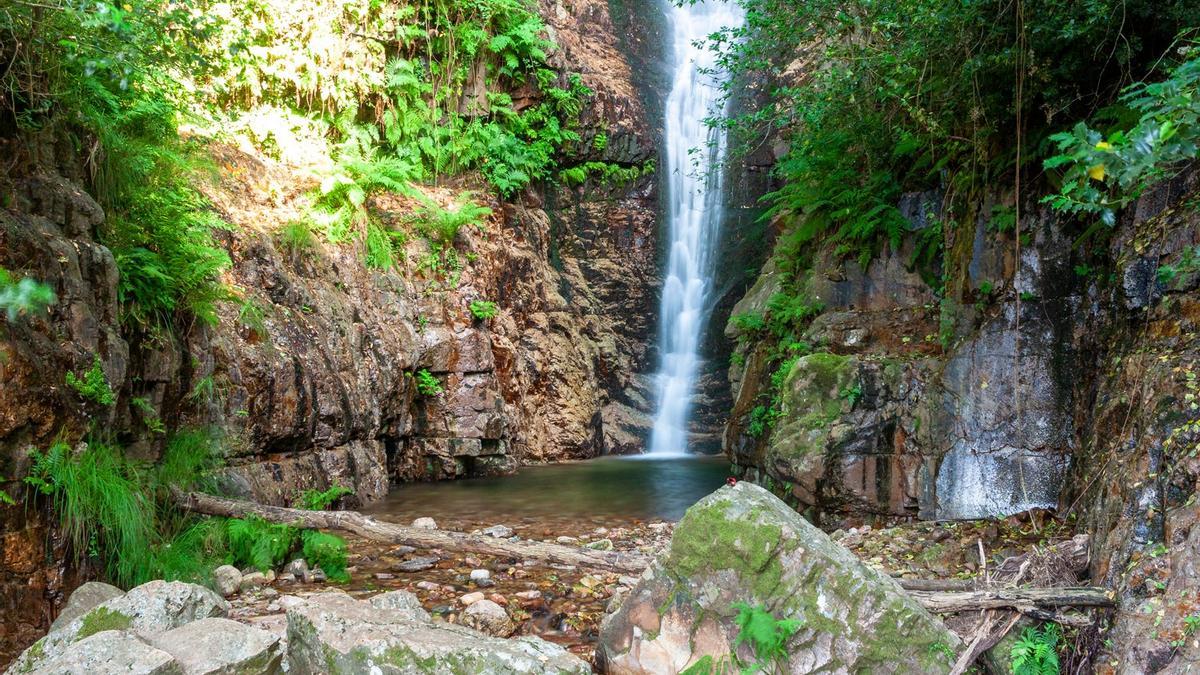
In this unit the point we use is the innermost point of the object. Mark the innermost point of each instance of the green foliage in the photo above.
(319, 500)
(1036, 651)
(326, 551)
(93, 385)
(441, 225)
(101, 505)
(851, 395)
(767, 636)
(25, 296)
(921, 95)
(296, 238)
(120, 511)
(484, 309)
(427, 384)
(1102, 174)
(259, 544)
(253, 317)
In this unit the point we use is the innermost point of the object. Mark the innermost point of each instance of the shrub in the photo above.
(1036, 651)
(427, 384)
(484, 309)
(25, 296)
(93, 386)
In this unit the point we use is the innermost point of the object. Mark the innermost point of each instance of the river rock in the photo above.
(488, 617)
(401, 601)
(151, 608)
(220, 646)
(227, 579)
(425, 523)
(110, 651)
(334, 633)
(85, 597)
(252, 580)
(471, 598)
(600, 545)
(417, 564)
(499, 531)
(480, 575)
(299, 569)
(741, 544)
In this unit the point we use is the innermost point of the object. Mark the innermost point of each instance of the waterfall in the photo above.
(694, 153)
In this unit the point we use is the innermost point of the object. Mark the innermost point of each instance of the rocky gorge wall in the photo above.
(320, 389)
(1049, 375)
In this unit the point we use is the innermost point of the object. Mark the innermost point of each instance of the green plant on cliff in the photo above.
(1102, 173)
(766, 635)
(1036, 651)
(24, 296)
(427, 383)
(484, 309)
(93, 385)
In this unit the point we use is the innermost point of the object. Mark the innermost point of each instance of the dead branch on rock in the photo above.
(1025, 600)
(369, 528)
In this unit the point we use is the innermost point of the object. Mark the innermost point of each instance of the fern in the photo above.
(319, 500)
(93, 385)
(1036, 651)
(766, 635)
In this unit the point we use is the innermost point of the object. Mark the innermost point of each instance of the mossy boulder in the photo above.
(111, 651)
(334, 633)
(741, 544)
(147, 610)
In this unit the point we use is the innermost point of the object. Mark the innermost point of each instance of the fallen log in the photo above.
(1020, 599)
(369, 528)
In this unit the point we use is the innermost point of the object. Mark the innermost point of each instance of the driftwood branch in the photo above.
(369, 528)
(1027, 600)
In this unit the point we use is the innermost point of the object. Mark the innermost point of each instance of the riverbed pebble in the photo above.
(499, 531)
(227, 579)
(471, 598)
(480, 575)
(425, 523)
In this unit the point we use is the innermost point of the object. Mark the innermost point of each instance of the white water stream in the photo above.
(693, 213)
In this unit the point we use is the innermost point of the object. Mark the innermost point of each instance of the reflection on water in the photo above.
(610, 489)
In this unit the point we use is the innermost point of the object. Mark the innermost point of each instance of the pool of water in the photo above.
(606, 491)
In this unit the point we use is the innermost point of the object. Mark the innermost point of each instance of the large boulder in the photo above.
(147, 610)
(334, 633)
(743, 545)
(85, 597)
(111, 651)
(218, 646)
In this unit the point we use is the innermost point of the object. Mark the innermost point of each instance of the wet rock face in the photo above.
(961, 408)
(743, 545)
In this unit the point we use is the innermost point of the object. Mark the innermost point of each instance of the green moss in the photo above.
(101, 619)
(813, 388)
(709, 539)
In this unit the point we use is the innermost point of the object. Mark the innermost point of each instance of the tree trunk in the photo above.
(369, 528)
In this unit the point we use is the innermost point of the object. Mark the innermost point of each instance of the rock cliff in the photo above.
(310, 373)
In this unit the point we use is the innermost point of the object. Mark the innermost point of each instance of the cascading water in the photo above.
(694, 154)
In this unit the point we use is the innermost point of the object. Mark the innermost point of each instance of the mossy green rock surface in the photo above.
(741, 544)
(334, 633)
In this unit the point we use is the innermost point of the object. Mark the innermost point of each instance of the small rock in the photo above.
(317, 575)
(400, 551)
(473, 561)
(601, 531)
(568, 541)
(384, 576)
(274, 607)
(499, 531)
(417, 564)
(498, 599)
(529, 596)
(425, 523)
(659, 527)
(287, 578)
(227, 579)
(298, 568)
(601, 545)
(485, 583)
(488, 617)
(429, 586)
(290, 601)
(480, 575)
(253, 580)
(270, 593)
(471, 598)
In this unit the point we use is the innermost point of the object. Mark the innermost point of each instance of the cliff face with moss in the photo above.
(1043, 379)
(313, 371)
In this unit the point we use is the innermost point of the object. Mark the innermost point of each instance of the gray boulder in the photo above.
(743, 545)
(222, 647)
(85, 597)
(110, 651)
(227, 579)
(486, 616)
(401, 601)
(146, 610)
(334, 633)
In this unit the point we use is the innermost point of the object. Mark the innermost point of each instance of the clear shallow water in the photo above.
(606, 491)
(693, 211)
